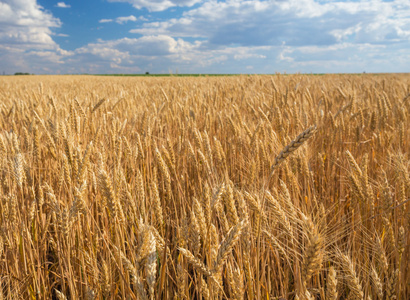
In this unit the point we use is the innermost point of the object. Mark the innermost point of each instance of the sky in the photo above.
(196, 36)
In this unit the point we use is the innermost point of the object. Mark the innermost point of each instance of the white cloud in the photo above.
(122, 20)
(63, 5)
(105, 21)
(158, 5)
(345, 33)
(26, 24)
(25, 32)
(345, 57)
(247, 55)
(157, 54)
(293, 22)
(146, 46)
(230, 36)
(161, 53)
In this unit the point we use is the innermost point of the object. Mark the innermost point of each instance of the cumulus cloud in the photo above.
(146, 46)
(161, 53)
(229, 36)
(296, 35)
(26, 31)
(158, 5)
(63, 5)
(26, 24)
(293, 22)
(133, 55)
(122, 20)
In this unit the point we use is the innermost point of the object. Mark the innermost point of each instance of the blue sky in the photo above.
(196, 36)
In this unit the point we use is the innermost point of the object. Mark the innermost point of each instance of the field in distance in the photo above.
(225, 187)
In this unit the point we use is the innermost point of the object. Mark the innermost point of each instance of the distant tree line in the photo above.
(21, 73)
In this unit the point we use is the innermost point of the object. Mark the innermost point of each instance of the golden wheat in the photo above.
(207, 187)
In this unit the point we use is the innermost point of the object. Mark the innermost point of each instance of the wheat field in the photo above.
(242, 187)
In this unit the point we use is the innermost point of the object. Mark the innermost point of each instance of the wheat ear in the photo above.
(313, 253)
(60, 295)
(134, 276)
(356, 291)
(196, 263)
(331, 291)
(151, 264)
(292, 146)
(377, 283)
(227, 244)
